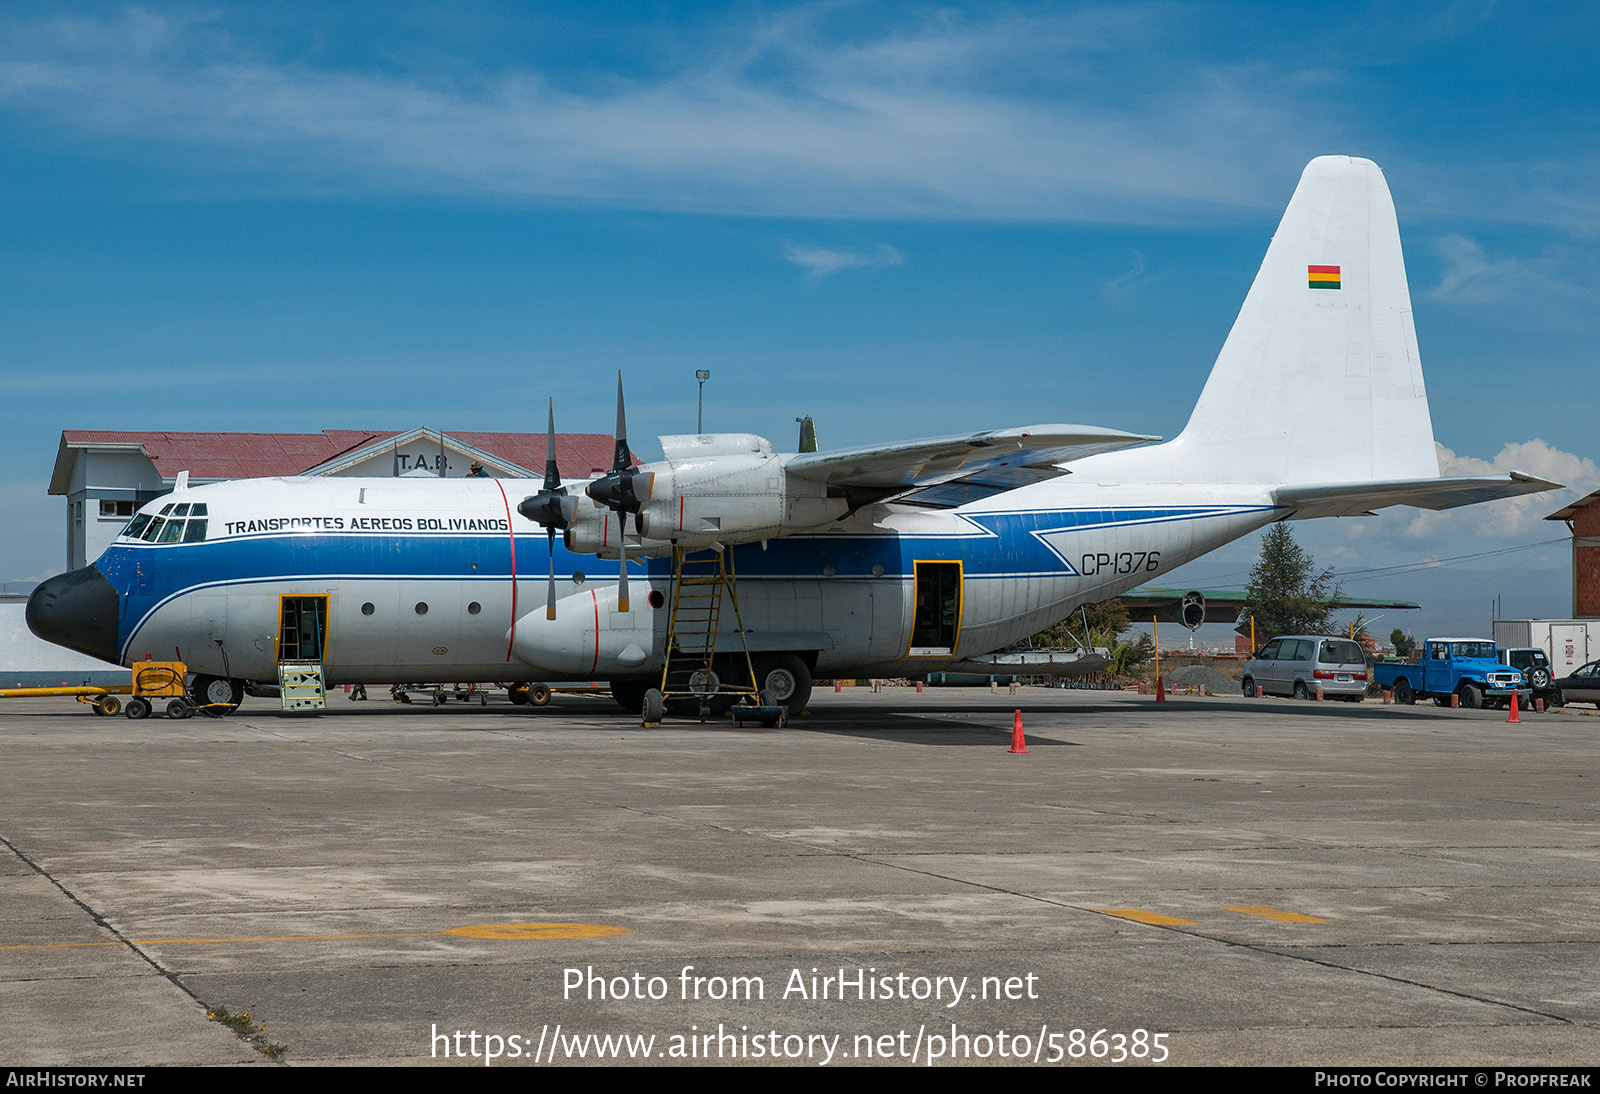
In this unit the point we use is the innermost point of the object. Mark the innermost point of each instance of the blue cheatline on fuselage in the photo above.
(996, 545)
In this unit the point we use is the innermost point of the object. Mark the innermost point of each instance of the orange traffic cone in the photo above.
(1161, 692)
(1513, 717)
(1017, 743)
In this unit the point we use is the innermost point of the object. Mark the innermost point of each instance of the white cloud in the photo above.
(1514, 518)
(1011, 116)
(1126, 284)
(1472, 276)
(822, 261)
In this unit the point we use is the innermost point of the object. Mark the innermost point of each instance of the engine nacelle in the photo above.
(722, 488)
(590, 638)
(596, 530)
(1191, 610)
(730, 488)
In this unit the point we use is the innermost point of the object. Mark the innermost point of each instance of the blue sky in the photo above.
(902, 219)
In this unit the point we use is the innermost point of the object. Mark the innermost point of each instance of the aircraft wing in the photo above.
(1361, 498)
(1008, 457)
(1078, 662)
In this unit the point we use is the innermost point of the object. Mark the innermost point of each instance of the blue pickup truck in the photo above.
(1468, 667)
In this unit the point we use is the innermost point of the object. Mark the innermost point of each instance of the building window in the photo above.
(115, 510)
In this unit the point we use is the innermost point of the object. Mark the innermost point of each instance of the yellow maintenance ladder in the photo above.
(699, 585)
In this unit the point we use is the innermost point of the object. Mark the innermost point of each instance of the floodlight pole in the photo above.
(702, 375)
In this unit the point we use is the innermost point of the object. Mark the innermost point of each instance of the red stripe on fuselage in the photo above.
(511, 532)
(596, 600)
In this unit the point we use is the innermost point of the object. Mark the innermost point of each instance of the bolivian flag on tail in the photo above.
(1322, 277)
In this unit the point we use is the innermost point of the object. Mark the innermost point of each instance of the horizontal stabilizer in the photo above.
(1350, 499)
(933, 460)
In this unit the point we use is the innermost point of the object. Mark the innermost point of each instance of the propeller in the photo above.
(621, 491)
(552, 507)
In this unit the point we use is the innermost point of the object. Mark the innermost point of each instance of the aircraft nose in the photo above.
(77, 610)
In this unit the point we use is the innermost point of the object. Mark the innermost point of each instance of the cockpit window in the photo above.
(171, 529)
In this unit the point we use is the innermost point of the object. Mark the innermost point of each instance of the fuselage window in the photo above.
(195, 531)
(474, 608)
(136, 525)
(422, 609)
(154, 529)
(367, 608)
(172, 533)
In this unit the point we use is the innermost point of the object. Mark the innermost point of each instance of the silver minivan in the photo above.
(1298, 665)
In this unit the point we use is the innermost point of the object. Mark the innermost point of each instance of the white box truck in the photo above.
(1568, 643)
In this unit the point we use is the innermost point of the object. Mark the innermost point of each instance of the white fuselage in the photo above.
(425, 580)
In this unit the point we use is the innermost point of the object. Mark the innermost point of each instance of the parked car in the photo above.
(1298, 665)
(1535, 666)
(1583, 686)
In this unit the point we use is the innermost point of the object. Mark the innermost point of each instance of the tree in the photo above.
(1286, 593)
(1404, 645)
(1107, 620)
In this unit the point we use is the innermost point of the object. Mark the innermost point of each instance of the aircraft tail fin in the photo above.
(1320, 379)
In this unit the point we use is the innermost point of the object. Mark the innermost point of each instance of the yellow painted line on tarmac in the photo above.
(1263, 912)
(503, 932)
(1139, 915)
(517, 932)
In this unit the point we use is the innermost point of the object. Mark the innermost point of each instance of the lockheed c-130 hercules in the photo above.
(896, 559)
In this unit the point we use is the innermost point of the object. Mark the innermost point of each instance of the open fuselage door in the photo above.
(936, 621)
(302, 648)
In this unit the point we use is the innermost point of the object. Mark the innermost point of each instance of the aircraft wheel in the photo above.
(137, 708)
(518, 694)
(216, 696)
(1403, 695)
(538, 695)
(653, 708)
(786, 677)
(1471, 696)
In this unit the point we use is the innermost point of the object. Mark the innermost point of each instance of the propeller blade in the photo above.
(622, 564)
(621, 459)
(552, 477)
(550, 602)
